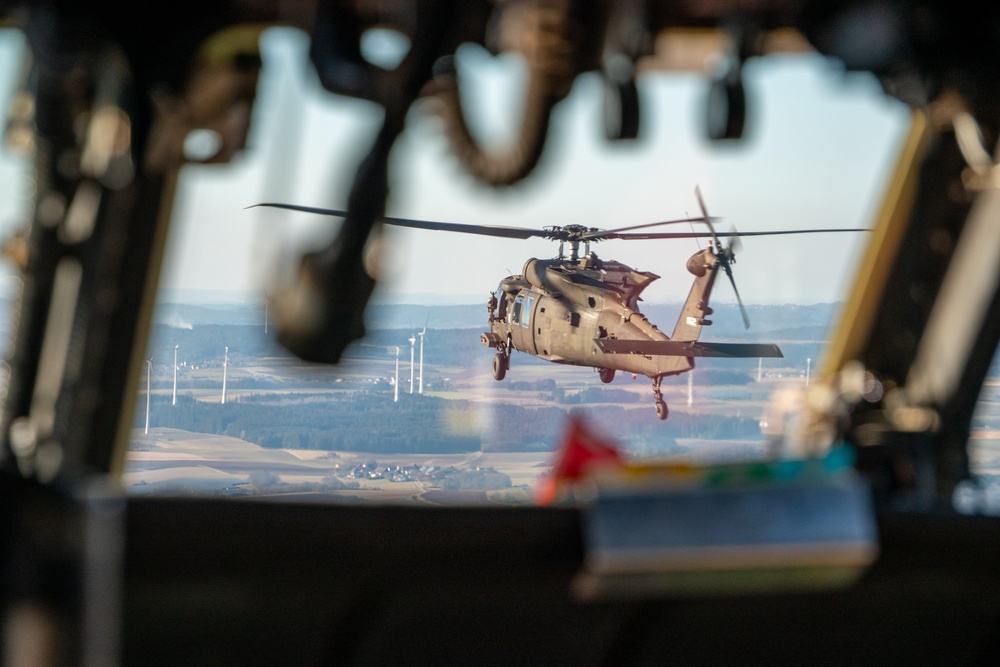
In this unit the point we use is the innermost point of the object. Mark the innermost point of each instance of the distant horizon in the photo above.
(226, 308)
(214, 297)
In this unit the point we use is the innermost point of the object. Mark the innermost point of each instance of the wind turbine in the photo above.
(149, 374)
(412, 341)
(174, 402)
(225, 374)
(395, 384)
(421, 334)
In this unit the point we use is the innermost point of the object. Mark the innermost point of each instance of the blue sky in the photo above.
(818, 149)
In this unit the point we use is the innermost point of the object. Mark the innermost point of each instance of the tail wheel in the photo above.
(499, 366)
(606, 374)
(661, 410)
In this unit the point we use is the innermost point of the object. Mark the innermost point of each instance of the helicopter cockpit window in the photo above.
(515, 316)
(501, 311)
(528, 307)
(415, 411)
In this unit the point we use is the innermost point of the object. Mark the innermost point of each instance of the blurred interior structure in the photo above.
(109, 98)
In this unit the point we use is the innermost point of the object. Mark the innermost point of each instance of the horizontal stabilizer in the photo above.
(678, 348)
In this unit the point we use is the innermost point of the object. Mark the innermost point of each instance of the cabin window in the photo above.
(515, 316)
(374, 456)
(526, 321)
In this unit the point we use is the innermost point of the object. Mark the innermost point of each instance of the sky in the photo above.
(818, 149)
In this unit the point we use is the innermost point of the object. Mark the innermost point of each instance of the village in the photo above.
(451, 478)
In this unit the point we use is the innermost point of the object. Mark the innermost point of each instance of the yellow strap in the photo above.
(858, 317)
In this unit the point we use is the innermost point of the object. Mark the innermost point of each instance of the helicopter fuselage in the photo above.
(577, 309)
(559, 309)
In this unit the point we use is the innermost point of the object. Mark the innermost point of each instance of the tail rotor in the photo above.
(726, 255)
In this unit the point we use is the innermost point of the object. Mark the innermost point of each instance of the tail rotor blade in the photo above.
(704, 215)
(735, 244)
(725, 256)
(732, 281)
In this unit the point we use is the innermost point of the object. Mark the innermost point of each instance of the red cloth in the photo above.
(581, 450)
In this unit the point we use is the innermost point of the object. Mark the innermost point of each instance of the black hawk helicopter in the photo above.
(579, 309)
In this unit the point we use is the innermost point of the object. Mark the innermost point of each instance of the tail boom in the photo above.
(704, 266)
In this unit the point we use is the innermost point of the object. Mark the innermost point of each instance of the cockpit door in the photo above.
(522, 320)
(515, 312)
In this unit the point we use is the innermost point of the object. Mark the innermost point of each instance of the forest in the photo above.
(357, 413)
(371, 422)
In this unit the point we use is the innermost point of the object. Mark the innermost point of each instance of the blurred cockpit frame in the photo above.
(113, 90)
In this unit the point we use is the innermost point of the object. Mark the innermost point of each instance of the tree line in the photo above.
(372, 422)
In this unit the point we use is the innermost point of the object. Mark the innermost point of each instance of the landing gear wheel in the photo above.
(606, 374)
(661, 410)
(499, 366)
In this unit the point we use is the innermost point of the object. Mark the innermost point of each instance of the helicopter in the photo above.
(582, 310)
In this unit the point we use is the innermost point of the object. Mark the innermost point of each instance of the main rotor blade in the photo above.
(602, 233)
(483, 230)
(708, 235)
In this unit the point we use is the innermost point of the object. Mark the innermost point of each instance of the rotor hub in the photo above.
(571, 233)
(574, 235)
